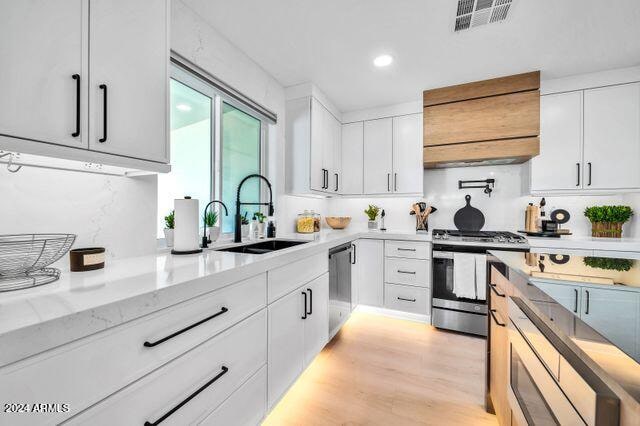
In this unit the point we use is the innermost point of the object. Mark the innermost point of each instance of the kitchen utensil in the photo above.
(86, 259)
(187, 231)
(24, 259)
(468, 218)
(338, 222)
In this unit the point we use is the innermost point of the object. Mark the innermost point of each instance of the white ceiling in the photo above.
(332, 42)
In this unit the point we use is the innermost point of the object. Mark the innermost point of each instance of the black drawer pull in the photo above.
(493, 315)
(406, 300)
(400, 271)
(586, 311)
(104, 113)
(575, 303)
(495, 290)
(405, 249)
(76, 77)
(304, 295)
(171, 336)
(189, 398)
(310, 312)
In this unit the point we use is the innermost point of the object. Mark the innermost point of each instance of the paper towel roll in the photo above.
(186, 234)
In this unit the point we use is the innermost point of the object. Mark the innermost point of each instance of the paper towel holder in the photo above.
(180, 252)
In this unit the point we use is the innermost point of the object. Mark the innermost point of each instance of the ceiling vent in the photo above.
(473, 13)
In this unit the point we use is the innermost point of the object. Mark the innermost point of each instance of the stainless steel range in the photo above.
(460, 270)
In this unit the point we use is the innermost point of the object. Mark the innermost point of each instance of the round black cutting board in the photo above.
(468, 218)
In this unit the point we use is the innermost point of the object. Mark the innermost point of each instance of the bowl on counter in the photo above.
(338, 222)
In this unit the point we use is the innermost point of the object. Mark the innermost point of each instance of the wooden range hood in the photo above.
(493, 121)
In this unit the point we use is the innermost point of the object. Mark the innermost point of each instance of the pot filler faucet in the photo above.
(238, 234)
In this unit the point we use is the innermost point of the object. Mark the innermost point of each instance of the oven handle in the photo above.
(442, 254)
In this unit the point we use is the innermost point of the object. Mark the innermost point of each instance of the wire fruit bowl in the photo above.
(24, 259)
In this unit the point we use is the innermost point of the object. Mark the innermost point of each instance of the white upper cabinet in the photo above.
(378, 156)
(589, 141)
(318, 159)
(352, 152)
(612, 137)
(559, 165)
(407, 154)
(43, 77)
(336, 182)
(129, 76)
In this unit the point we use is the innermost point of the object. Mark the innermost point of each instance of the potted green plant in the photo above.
(210, 222)
(169, 225)
(244, 225)
(261, 230)
(607, 221)
(372, 213)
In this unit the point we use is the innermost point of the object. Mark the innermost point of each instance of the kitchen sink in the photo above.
(263, 246)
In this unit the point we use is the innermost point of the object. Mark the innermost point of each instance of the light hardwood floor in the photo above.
(383, 371)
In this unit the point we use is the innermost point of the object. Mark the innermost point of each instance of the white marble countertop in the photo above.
(82, 303)
(587, 243)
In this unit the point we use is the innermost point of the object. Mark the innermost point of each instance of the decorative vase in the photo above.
(168, 237)
(244, 230)
(606, 229)
(261, 229)
(372, 225)
(213, 232)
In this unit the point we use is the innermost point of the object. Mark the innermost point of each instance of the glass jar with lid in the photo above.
(304, 223)
(316, 221)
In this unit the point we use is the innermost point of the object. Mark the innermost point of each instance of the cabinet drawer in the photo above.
(84, 372)
(407, 271)
(216, 369)
(407, 249)
(406, 298)
(286, 278)
(247, 405)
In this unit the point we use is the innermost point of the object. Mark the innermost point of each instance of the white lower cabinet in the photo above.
(406, 298)
(298, 330)
(414, 272)
(187, 389)
(368, 272)
(247, 405)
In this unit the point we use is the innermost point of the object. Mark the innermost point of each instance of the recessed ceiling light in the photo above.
(383, 61)
(183, 107)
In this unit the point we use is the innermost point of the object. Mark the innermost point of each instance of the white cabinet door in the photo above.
(316, 325)
(128, 61)
(335, 183)
(613, 313)
(286, 343)
(318, 175)
(566, 295)
(41, 49)
(369, 258)
(612, 137)
(378, 156)
(408, 169)
(352, 145)
(559, 165)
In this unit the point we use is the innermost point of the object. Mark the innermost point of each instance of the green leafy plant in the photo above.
(372, 212)
(614, 264)
(244, 220)
(615, 214)
(259, 216)
(170, 220)
(210, 219)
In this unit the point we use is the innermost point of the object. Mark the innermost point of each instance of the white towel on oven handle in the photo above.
(481, 276)
(464, 275)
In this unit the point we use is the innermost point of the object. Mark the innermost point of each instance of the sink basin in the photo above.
(263, 246)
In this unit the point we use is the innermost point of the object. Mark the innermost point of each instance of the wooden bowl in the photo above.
(338, 222)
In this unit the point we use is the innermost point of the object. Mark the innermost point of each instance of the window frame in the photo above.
(190, 79)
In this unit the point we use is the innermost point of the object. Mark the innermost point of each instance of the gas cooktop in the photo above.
(502, 237)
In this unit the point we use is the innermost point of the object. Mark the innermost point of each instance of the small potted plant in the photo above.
(607, 221)
(169, 224)
(210, 221)
(244, 222)
(372, 213)
(260, 217)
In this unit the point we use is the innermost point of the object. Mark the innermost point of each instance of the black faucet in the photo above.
(238, 234)
(205, 240)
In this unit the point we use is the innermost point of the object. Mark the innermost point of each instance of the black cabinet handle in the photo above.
(495, 290)
(400, 271)
(171, 336)
(589, 183)
(395, 181)
(575, 303)
(336, 175)
(304, 295)
(310, 311)
(493, 315)
(586, 311)
(353, 258)
(406, 300)
(405, 249)
(164, 417)
(76, 77)
(104, 113)
(578, 166)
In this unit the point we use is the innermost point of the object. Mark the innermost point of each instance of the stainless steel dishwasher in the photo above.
(339, 286)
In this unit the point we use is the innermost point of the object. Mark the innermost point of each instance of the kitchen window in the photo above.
(215, 141)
